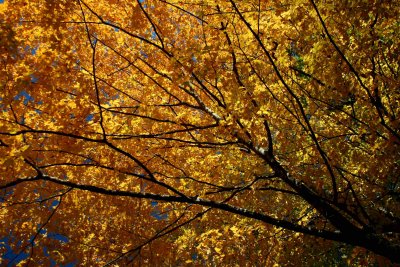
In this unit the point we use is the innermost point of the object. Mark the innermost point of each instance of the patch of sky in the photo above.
(34, 79)
(54, 203)
(53, 263)
(31, 50)
(21, 20)
(39, 199)
(153, 34)
(9, 255)
(87, 161)
(94, 39)
(293, 53)
(31, 240)
(143, 54)
(6, 194)
(158, 215)
(111, 23)
(77, 65)
(1, 1)
(27, 97)
(105, 93)
(45, 251)
(156, 212)
(143, 186)
(58, 237)
(34, 50)
(195, 256)
(89, 117)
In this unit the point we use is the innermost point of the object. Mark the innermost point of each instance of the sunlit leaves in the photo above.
(282, 109)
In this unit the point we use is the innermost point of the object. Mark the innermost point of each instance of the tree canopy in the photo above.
(167, 132)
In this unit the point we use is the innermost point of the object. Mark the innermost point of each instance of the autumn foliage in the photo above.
(215, 133)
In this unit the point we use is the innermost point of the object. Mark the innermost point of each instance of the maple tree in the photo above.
(200, 132)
